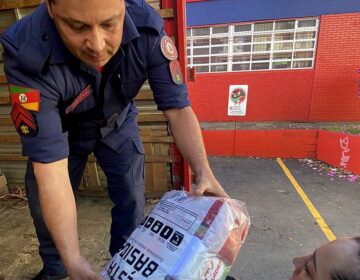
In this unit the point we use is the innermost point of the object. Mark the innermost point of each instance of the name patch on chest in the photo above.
(86, 92)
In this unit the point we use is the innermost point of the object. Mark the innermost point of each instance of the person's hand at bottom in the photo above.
(82, 270)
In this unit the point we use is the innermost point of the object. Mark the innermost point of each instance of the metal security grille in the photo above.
(271, 45)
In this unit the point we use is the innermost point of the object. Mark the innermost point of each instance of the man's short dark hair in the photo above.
(354, 273)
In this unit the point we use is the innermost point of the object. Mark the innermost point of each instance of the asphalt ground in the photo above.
(283, 225)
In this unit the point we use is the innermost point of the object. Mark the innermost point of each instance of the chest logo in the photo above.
(86, 92)
(28, 98)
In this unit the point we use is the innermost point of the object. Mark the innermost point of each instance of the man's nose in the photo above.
(96, 41)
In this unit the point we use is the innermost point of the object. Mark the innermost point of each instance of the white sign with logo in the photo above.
(237, 100)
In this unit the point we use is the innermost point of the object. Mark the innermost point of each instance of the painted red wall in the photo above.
(340, 150)
(261, 143)
(334, 95)
(272, 95)
(328, 92)
(337, 149)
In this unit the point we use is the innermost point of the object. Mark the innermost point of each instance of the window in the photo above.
(273, 45)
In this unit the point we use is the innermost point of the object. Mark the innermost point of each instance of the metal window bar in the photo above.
(231, 34)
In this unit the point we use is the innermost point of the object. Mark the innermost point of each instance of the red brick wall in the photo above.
(334, 94)
(272, 96)
(326, 93)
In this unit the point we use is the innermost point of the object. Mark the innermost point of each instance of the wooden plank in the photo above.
(6, 19)
(152, 117)
(145, 95)
(22, 12)
(162, 159)
(4, 100)
(145, 139)
(5, 121)
(90, 177)
(92, 159)
(154, 139)
(12, 157)
(3, 79)
(157, 177)
(166, 13)
(148, 159)
(150, 132)
(10, 139)
(13, 4)
(154, 3)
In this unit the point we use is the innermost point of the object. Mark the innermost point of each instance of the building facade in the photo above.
(298, 59)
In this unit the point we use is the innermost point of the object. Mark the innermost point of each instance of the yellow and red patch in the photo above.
(23, 101)
(28, 98)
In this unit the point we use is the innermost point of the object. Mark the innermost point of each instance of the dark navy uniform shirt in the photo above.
(35, 57)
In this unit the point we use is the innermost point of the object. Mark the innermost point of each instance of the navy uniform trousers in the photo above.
(125, 183)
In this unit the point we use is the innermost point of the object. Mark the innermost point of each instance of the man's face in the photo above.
(338, 255)
(91, 29)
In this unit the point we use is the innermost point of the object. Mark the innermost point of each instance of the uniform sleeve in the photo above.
(167, 94)
(49, 143)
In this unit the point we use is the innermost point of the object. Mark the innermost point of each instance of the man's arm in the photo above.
(59, 212)
(186, 131)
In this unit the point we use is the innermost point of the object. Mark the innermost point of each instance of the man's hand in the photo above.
(81, 270)
(186, 131)
(206, 184)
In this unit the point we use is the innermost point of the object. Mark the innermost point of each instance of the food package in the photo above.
(184, 237)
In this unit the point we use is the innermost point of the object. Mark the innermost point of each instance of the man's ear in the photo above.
(48, 6)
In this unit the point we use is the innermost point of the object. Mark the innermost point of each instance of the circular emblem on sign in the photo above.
(22, 98)
(238, 95)
(175, 70)
(168, 48)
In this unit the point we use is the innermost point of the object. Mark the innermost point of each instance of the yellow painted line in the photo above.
(321, 222)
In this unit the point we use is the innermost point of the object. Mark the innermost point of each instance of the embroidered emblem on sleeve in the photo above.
(24, 121)
(168, 48)
(28, 98)
(175, 70)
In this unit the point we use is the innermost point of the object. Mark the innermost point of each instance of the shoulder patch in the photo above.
(168, 48)
(24, 121)
(175, 70)
(28, 98)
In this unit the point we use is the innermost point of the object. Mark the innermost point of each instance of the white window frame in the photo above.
(231, 34)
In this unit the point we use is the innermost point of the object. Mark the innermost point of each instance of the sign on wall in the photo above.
(237, 100)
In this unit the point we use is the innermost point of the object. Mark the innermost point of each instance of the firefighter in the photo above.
(74, 68)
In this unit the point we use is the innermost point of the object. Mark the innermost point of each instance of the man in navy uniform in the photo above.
(73, 69)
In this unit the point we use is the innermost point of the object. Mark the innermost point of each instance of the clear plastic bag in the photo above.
(184, 237)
